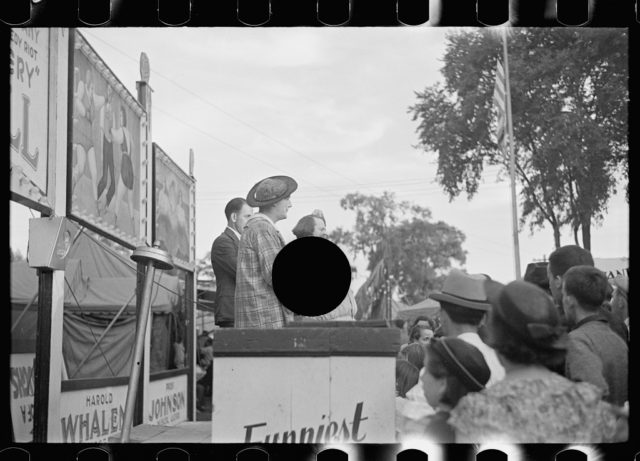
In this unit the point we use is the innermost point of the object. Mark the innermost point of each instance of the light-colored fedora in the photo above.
(466, 290)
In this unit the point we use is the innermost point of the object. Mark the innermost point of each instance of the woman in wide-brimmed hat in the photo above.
(256, 304)
(532, 404)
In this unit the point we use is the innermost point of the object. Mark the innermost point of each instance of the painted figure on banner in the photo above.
(105, 157)
(84, 112)
(108, 175)
(126, 176)
(172, 220)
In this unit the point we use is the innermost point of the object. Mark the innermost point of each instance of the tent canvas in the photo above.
(428, 308)
(96, 281)
(99, 282)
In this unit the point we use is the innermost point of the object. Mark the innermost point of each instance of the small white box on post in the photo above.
(49, 242)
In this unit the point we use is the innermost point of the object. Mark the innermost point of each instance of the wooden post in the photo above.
(512, 166)
(48, 362)
(146, 212)
(192, 293)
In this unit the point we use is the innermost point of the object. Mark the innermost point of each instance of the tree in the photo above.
(416, 251)
(569, 100)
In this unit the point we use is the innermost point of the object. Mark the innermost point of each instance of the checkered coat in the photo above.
(256, 305)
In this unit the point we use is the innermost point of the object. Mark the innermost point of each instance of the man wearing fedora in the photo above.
(464, 304)
(256, 304)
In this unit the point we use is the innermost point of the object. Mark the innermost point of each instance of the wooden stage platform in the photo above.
(187, 432)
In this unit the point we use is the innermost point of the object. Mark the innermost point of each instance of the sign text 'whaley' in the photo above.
(94, 424)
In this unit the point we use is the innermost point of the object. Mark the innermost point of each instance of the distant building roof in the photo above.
(613, 266)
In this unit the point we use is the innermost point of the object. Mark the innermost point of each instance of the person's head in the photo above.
(455, 317)
(310, 226)
(272, 196)
(414, 354)
(452, 369)
(238, 213)
(424, 320)
(406, 377)
(524, 326)
(463, 302)
(420, 334)
(619, 304)
(278, 210)
(560, 261)
(536, 273)
(584, 289)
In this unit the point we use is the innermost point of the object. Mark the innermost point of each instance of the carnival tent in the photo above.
(428, 308)
(99, 284)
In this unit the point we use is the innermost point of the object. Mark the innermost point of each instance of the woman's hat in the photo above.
(464, 290)
(528, 312)
(463, 360)
(271, 190)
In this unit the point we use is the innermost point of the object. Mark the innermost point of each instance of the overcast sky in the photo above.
(327, 106)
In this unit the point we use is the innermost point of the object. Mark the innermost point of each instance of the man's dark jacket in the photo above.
(224, 259)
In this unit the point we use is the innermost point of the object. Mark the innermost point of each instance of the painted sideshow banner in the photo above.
(29, 80)
(168, 401)
(173, 215)
(22, 390)
(107, 155)
(91, 415)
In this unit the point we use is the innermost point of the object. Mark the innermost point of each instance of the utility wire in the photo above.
(258, 159)
(219, 109)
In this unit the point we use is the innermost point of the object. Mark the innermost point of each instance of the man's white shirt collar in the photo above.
(235, 232)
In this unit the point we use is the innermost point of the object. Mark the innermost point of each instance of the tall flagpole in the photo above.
(512, 167)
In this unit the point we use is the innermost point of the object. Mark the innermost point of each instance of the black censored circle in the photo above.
(311, 276)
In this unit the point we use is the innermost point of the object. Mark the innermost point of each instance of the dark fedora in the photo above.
(528, 312)
(536, 273)
(462, 289)
(271, 190)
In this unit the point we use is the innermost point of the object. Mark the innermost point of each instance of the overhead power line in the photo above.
(233, 117)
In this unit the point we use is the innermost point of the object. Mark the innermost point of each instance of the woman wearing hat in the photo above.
(452, 369)
(315, 225)
(256, 304)
(532, 404)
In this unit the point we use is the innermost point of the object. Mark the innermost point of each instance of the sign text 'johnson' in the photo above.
(166, 409)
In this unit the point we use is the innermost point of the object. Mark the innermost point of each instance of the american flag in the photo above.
(370, 296)
(500, 102)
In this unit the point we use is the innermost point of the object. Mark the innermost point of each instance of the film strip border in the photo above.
(318, 453)
(282, 13)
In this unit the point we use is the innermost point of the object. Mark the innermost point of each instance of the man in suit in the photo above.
(224, 258)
